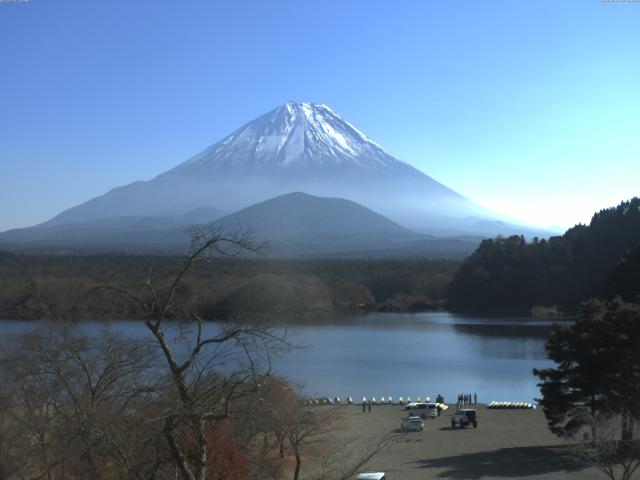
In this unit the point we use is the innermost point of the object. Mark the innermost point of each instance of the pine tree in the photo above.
(598, 369)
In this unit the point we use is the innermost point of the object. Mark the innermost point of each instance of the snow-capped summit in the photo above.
(296, 147)
(295, 134)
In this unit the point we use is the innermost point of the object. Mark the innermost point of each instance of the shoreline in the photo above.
(309, 317)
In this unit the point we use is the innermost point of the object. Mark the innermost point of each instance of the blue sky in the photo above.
(529, 108)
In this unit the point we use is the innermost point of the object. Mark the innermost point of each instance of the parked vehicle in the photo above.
(371, 476)
(423, 410)
(410, 424)
(464, 417)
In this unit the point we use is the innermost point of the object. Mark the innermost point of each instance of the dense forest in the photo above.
(75, 286)
(511, 275)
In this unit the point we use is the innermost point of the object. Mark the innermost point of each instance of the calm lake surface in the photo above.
(400, 354)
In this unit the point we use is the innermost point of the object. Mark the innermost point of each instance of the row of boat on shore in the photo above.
(407, 401)
(511, 405)
(373, 400)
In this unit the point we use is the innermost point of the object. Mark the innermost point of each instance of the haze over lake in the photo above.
(395, 354)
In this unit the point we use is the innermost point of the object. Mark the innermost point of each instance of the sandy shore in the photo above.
(507, 444)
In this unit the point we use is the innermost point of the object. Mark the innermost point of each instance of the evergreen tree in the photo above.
(510, 275)
(597, 372)
(625, 278)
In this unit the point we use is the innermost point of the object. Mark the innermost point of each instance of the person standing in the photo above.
(369, 406)
(364, 406)
(475, 398)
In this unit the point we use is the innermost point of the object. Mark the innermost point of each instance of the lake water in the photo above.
(394, 354)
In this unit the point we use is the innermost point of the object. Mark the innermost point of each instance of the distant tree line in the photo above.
(511, 275)
(71, 286)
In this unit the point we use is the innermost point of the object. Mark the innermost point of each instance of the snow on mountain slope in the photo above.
(297, 147)
(301, 134)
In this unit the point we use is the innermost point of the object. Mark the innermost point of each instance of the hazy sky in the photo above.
(531, 108)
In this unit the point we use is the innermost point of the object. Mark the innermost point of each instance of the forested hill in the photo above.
(510, 275)
(72, 287)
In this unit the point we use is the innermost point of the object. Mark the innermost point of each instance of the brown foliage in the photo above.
(269, 293)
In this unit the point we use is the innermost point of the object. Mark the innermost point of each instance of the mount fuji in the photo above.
(297, 147)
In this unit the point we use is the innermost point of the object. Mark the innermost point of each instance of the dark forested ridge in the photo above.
(511, 275)
(71, 286)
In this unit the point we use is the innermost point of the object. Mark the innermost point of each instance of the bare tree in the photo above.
(209, 368)
(602, 447)
(27, 415)
(278, 402)
(306, 432)
(75, 402)
(337, 458)
(102, 407)
(12, 442)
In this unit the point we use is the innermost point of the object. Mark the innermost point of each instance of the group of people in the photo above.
(466, 398)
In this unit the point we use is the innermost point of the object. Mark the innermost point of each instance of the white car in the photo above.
(410, 424)
(371, 476)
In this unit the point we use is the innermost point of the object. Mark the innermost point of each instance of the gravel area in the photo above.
(507, 444)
